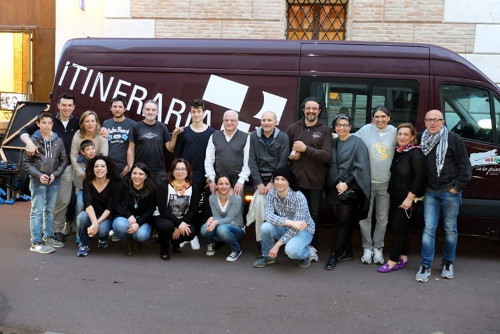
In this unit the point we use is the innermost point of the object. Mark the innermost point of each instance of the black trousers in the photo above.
(342, 235)
(166, 227)
(400, 231)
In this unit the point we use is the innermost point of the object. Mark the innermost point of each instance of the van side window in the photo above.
(357, 97)
(467, 112)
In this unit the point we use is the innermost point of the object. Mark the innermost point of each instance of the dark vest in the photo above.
(229, 155)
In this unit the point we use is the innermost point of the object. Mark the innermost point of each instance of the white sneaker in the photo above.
(367, 256)
(378, 256)
(195, 243)
(182, 244)
(313, 254)
(41, 248)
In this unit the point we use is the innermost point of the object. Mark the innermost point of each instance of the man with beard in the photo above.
(120, 130)
(311, 146)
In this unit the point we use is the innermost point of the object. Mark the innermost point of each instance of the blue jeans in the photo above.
(121, 225)
(43, 199)
(79, 202)
(83, 222)
(434, 204)
(227, 233)
(296, 248)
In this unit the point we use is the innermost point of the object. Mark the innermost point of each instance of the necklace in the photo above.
(136, 199)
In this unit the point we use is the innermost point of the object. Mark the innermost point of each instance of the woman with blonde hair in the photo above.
(89, 130)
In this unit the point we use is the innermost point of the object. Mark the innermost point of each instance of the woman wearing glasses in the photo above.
(348, 183)
(177, 201)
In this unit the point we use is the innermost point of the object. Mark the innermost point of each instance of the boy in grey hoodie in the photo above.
(44, 169)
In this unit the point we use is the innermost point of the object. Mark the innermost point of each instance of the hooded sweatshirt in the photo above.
(51, 158)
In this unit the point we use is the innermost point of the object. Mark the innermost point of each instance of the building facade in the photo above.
(471, 29)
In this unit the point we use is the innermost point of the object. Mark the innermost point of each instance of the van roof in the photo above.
(442, 62)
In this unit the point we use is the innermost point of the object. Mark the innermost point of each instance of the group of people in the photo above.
(122, 184)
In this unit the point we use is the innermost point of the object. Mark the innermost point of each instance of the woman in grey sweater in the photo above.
(226, 223)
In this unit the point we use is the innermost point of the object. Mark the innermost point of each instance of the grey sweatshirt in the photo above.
(381, 145)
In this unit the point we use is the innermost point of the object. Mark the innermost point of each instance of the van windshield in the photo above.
(468, 112)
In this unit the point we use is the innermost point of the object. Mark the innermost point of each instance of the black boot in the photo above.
(346, 255)
(164, 254)
(258, 252)
(128, 247)
(332, 261)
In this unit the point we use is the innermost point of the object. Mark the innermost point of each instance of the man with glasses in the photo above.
(227, 152)
(448, 172)
(311, 145)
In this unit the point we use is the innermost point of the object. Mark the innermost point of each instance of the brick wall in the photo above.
(442, 22)
(416, 21)
(264, 19)
(369, 20)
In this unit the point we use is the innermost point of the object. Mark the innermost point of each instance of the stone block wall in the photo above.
(467, 27)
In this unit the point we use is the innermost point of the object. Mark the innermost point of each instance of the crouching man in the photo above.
(287, 220)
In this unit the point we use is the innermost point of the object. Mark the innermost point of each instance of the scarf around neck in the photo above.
(406, 148)
(441, 140)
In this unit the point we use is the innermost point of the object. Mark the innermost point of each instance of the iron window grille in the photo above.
(316, 19)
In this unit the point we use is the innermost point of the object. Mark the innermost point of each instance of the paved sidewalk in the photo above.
(108, 292)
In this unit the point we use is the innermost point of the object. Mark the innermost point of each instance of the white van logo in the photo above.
(231, 94)
(484, 161)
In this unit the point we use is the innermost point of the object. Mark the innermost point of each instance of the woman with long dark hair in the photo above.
(133, 207)
(98, 188)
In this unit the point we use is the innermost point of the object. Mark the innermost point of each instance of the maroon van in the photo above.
(252, 76)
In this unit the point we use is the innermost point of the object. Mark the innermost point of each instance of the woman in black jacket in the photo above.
(408, 172)
(133, 207)
(348, 172)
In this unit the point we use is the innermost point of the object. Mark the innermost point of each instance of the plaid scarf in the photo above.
(440, 139)
(406, 148)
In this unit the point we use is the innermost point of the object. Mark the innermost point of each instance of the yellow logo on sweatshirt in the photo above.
(380, 151)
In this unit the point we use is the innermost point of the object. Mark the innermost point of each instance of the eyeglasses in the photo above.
(180, 169)
(230, 120)
(343, 125)
(433, 120)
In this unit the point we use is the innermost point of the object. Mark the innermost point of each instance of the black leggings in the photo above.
(400, 231)
(343, 227)
(166, 227)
